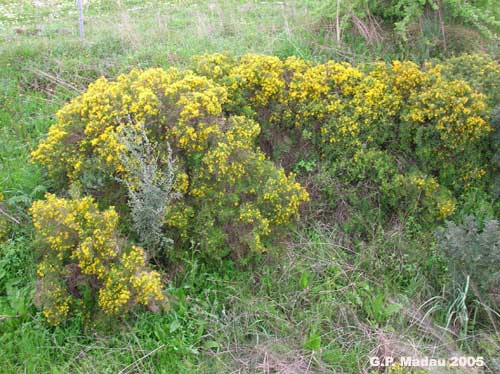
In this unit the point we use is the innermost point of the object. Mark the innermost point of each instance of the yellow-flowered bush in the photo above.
(403, 136)
(437, 124)
(86, 264)
(220, 171)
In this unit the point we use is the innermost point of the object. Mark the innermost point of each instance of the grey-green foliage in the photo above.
(474, 252)
(150, 184)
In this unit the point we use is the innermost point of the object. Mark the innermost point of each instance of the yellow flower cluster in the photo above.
(179, 216)
(89, 123)
(114, 294)
(182, 182)
(260, 77)
(83, 247)
(60, 305)
(252, 216)
(456, 111)
(446, 208)
(215, 65)
(425, 193)
(481, 71)
(147, 285)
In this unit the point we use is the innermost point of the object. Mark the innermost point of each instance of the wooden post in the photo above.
(80, 18)
(337, 22)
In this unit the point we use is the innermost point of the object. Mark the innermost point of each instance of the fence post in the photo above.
(80, 18)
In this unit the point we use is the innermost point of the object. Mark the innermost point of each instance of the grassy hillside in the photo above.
(356, 276)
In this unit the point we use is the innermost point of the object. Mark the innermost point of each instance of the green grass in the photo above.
(290, 312)
(319, 306)
(325, 304)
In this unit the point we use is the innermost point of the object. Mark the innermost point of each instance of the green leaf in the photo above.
(211, 344)
(392, 309)
(313, 343)
(305, 280)
(174, 325)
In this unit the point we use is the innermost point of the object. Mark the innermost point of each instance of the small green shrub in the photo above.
(401, 18)
(150, 189)
(473, 252)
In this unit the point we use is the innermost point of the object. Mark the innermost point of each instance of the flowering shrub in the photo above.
(432, 126)
(341, 109)
(84, 262)
(224, 118)
(229, 193)
(482, 73)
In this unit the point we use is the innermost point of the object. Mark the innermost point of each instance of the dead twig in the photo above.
(55, 80)
(124, 370)
(12, 218)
